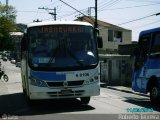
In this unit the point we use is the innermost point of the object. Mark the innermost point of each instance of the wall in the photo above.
(116, 70)
(113, 45)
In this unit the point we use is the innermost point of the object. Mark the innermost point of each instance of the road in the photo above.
(110, 104)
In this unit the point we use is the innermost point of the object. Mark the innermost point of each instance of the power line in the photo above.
(83, 13)
(95, 21)
(30, 11)
(69, 14)
(147, 24)
(131, 7)
(106, 3)
(150, 1)
(109, 4)
(72, 7)
(140, 18)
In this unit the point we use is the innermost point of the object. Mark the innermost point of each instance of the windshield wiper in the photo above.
(64, 46)
(53, 55)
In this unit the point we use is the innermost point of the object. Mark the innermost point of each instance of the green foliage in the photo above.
(7, 25)
(21, 27)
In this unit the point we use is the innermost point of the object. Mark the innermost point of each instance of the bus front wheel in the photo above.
(85, 100)
(154, 94)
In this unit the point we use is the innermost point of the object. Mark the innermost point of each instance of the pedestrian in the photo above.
(1, 70)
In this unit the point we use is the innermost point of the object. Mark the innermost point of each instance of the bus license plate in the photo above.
(66, 91)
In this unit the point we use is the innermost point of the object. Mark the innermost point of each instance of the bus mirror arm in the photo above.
(99, 38)
(23, 44)
(100, 42)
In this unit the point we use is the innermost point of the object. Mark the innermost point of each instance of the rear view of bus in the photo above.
(146, 76)
(60, 60)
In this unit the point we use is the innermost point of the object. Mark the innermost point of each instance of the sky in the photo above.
(123, 13)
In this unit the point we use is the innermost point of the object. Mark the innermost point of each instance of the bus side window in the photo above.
(24, 43)
(136, 54)
(155, 47)
(142, 50)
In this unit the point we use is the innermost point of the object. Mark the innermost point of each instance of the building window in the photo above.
(155, 47)
(117, 36)
(114, 36)
(110, 35)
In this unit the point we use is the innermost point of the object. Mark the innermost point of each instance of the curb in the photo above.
(123, 90)
(127, 91)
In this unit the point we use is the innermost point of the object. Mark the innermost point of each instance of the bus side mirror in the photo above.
(100, 42)
(24, 44)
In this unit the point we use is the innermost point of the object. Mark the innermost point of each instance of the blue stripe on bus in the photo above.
(50, 76)
(153, 64)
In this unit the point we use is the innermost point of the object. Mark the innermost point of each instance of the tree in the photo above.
(21, 27)
(7, 25)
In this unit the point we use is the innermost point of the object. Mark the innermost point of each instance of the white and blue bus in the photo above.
(60, 60)
(146, 76)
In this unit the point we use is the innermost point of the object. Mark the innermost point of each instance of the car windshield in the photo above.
(62, 46)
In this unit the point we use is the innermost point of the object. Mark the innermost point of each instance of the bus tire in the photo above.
(24, 92)
(85, 100)
(31, 102)
(154, 94)
(5, 78)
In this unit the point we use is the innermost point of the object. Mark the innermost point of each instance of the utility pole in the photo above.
(6, 2)
(7, 8)
(95, 23)
(53, 14)
(90, 11)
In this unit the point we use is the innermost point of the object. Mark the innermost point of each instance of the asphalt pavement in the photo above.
(123, 89)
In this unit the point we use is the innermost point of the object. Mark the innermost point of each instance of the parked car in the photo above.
(18, 64)
(13, 61)
(4, 58)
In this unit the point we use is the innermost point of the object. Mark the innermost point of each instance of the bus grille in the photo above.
(72, 93)
(65, 83)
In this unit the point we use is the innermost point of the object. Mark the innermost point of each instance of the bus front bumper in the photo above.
(37, 93)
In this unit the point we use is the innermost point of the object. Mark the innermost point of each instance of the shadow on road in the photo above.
(143, 102)
(17, 104)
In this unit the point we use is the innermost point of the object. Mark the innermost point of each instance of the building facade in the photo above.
(112, 35)
(16, 37)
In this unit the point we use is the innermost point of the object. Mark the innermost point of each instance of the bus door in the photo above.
(139, 80)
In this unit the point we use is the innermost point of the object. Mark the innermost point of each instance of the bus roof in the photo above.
(58, 23)
(150, 31)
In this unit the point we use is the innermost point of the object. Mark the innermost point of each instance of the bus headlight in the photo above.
(86, 82)
(37, 82)
(96, 78)
(92, 80)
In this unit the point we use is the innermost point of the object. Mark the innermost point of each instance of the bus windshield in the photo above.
(60, 46)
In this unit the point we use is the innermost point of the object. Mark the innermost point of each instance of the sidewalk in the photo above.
(3, 88)
(123, 89)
